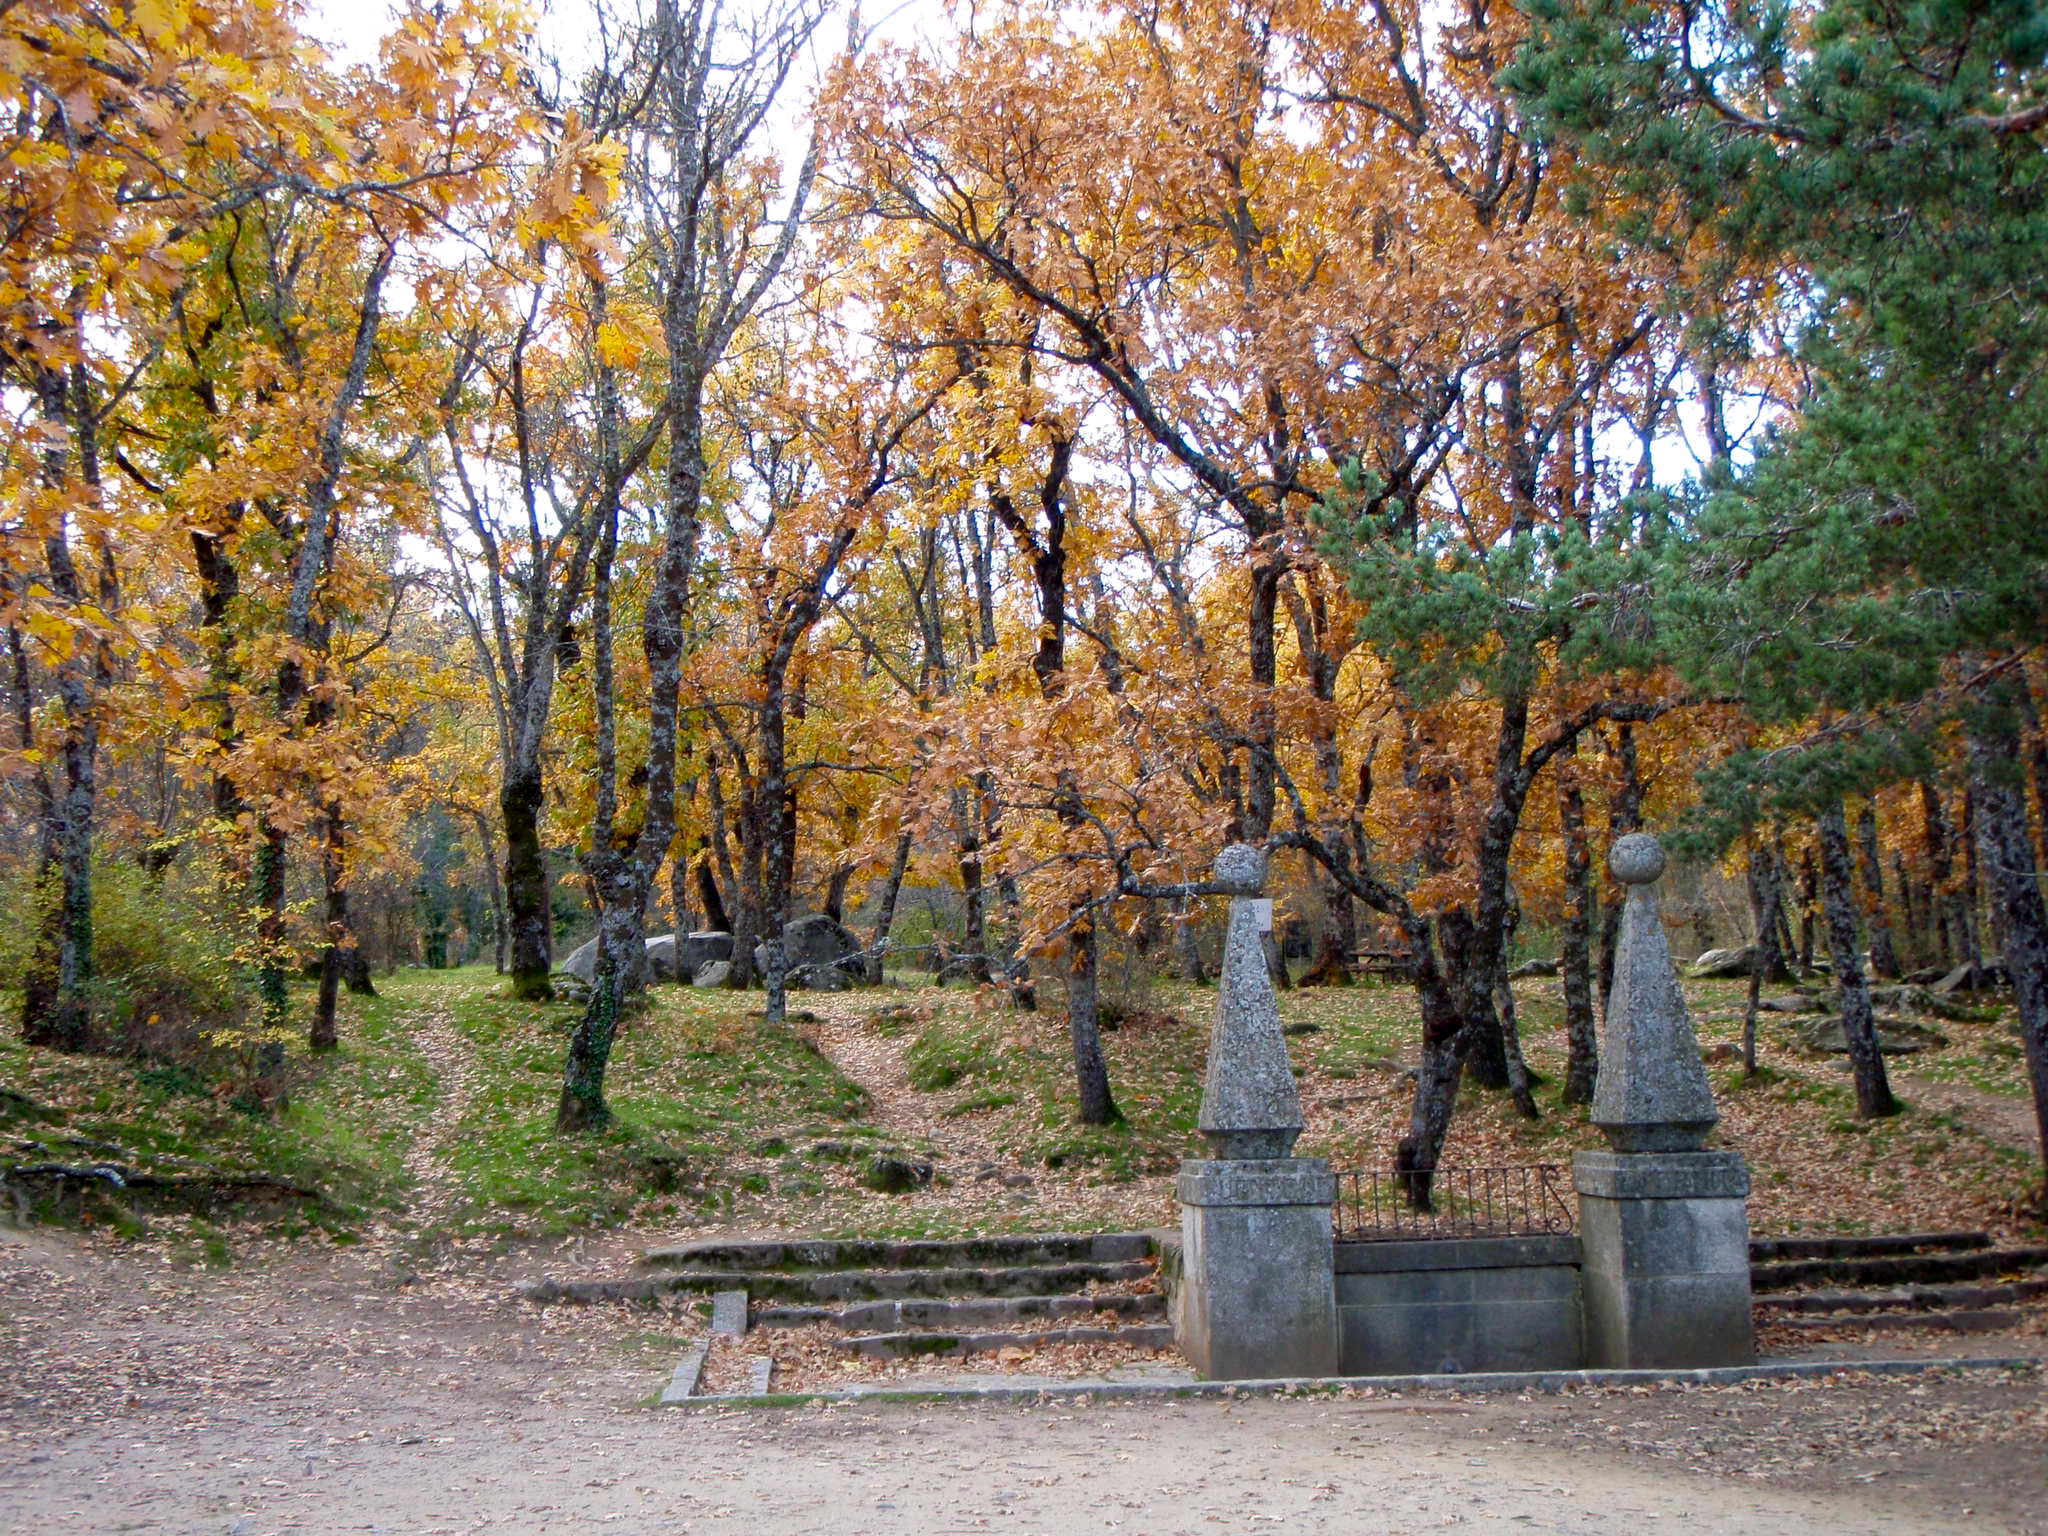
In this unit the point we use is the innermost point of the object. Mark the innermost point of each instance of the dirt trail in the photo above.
(850, 1041)
(1995, 1116)
(435, 1190)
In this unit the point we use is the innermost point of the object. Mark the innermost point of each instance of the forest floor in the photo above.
(363, 1364)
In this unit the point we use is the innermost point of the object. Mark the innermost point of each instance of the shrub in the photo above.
(164, 971)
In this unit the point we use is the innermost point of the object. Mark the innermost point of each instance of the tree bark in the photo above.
(1574, 961)
(1765, 899)
(1084, 1029)
(526, 888)
(885, 911)
(1884, 959)
(1852, 992)
(2006, 851)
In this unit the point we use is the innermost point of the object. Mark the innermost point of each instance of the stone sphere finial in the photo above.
(1636, 859)
(1242, 865)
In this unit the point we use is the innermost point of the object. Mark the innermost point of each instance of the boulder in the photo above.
(1795, 1002)
(672, 957)
(1969, 977)
(815, 939)
(668, 957)
(1723, 962)
(1533, 968)
(821, 978)
(812, 945)
(1829, 1038)
(1912, 999)
(712, 973)
(582, 962)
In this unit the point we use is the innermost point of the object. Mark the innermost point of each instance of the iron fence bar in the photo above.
(1375, 1204)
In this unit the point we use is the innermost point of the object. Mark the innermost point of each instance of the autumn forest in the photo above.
(954, 473)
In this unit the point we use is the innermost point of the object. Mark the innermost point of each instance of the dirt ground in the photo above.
(313, 1391)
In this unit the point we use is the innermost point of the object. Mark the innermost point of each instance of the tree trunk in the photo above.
(974, 902)
(1940, 869)
(1624, 815)
(526, 889)
(1437, 1075)
(1764, 903)
(1852, 991)
(323, 1036)
(1575, 958)
(1084, 1029)
(583, 1107)
(1884, 959)
(1809, 908)
(1187, 944)
(885, 911)
(2007, 852)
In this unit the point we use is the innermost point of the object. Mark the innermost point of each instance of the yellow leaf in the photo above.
(616, 348)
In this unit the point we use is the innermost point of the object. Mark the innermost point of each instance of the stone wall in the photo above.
(1459, 1304)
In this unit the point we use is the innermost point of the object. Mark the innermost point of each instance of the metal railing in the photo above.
(1379, 1204)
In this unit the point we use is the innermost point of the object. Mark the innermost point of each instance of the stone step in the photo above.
(864, 1253)
(1919, 1298)
(1986, 1320)
(1765, 1249)
(948, 1346)
(821, 1286)
(1901, 1269)
(957, 1314)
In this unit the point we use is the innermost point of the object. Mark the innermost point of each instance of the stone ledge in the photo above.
(1661, 1175)
(1259, 1181)
(1491, 1381)
(1379, 1258)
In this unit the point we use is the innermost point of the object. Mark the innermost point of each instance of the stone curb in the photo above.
(1322, 1386)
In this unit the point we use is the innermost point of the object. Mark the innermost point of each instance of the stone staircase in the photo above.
(914, 1300)
(1936, 1282)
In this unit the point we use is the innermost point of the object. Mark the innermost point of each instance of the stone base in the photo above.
(1257, 1296)
(1448, 1305)
(1666, 1242)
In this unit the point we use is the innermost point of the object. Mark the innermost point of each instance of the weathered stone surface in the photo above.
(729, 1312)
(1256, 1181)
(1242, 866)
(1829, 1038)
(1652, 1092)
(582, 961)
(1666, 1242)
(713, 973)
(1256, 1295)
(667, 956)
(1533, 968)
(1795, 1002)
(1723, 962)
(1661, 1176)
(1969, 978)
(814, 939)
(1459, 1305)
(1250, 1107)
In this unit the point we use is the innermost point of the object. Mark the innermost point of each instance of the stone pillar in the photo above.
(1258, 1291)
(1664, 1224)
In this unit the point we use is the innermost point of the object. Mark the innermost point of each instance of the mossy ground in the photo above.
(723, 1119)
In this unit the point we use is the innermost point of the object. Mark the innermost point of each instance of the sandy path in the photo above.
(496, 1463)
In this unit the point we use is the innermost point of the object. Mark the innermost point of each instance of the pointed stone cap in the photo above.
(1250, 1108)
(1652, 1094)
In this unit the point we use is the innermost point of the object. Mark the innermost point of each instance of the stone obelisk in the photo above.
(1257, 1295)
(1664, 1223)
